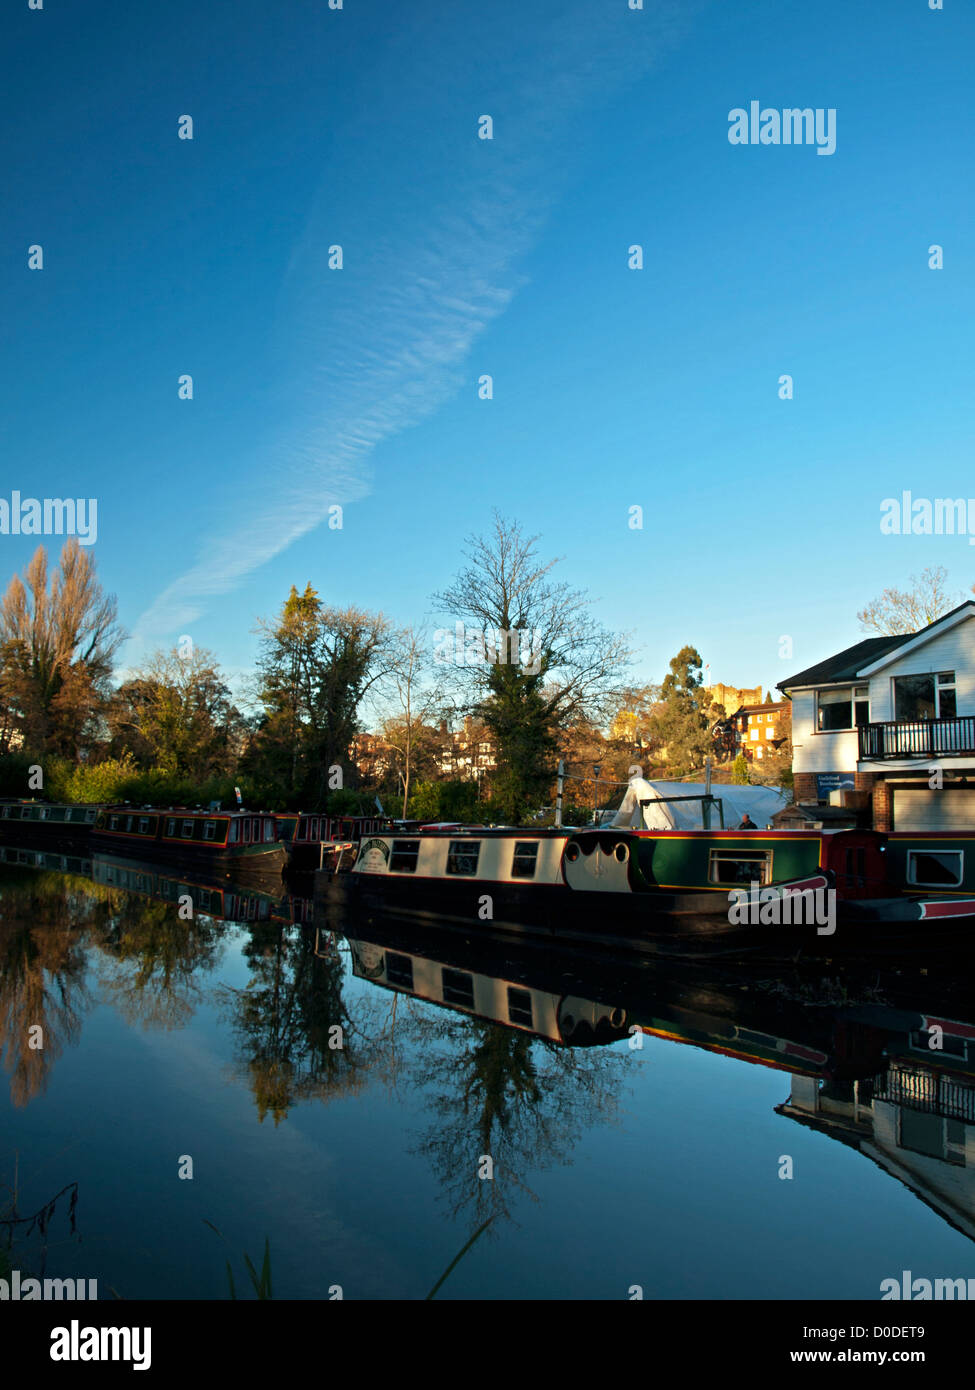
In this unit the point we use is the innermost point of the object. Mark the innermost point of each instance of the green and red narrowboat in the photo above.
(227, 840)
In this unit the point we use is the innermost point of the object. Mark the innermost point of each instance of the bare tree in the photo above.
(57, 644)
(536, 660)
(417, 699)
(898, 611)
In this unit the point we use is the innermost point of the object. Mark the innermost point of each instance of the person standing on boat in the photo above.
(747, 823)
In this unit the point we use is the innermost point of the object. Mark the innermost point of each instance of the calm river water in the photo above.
(366, 1101)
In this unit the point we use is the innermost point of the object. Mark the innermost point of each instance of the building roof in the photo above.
(845, 665)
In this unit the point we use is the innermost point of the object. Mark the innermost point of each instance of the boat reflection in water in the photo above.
(890, 1071)
(220, 897)
(881, 1060)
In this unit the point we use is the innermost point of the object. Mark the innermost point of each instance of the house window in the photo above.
(770, 733)
(462, 856)
(846, 708)
(740, 866)
(925, 697)
(403, 856)
(458, 988)
(936, 868)
(754, 734)
(524, 859)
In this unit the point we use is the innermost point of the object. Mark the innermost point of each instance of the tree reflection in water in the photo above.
(287, 1021)
(42, 974)
(521, 1100)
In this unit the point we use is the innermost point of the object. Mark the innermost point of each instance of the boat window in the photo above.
(129, 822)
(205, 899)
(458, 988)
(519, 1007)
(524, 859)
(399, 970)
(403, 856)
(209, 829)
(232, 837)
(113, 822)
(187, 830)
(143, 825)
(935, 868)
(268, 830)
(740, 866)
(462, 856)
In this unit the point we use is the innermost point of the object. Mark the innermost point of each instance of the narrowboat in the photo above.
(323, 841)
(227, 840)
(722, 887)
(50, 822)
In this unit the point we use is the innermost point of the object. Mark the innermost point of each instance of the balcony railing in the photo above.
(918, 738)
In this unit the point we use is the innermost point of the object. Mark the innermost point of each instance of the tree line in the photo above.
(174, 730)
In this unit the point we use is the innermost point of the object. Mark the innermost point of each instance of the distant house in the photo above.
(893, 717)
(754, 730)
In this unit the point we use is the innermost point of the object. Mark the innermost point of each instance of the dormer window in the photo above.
(847, 707)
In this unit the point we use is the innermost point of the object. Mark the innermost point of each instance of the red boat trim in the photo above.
(965, 908)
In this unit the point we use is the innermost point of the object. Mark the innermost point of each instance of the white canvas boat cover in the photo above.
(761, 803)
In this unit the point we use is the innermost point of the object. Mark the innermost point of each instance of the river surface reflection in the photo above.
(366, 1098)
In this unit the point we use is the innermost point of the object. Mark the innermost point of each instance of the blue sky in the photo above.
(612, 387)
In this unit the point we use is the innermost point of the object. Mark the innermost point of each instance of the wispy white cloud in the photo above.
(375, 349)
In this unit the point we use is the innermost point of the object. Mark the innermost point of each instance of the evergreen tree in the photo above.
(739, 771)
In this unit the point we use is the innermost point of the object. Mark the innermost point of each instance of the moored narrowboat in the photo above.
(229, 840)
(50, 820)
(323, 841)
(727, 886)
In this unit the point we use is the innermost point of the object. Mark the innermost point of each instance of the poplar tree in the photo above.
(58, 637)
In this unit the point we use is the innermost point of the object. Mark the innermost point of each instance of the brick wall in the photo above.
(804, 787)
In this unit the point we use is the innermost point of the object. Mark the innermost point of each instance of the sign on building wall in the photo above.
(827, 782)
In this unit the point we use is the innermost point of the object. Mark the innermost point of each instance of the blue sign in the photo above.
(827, 782)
